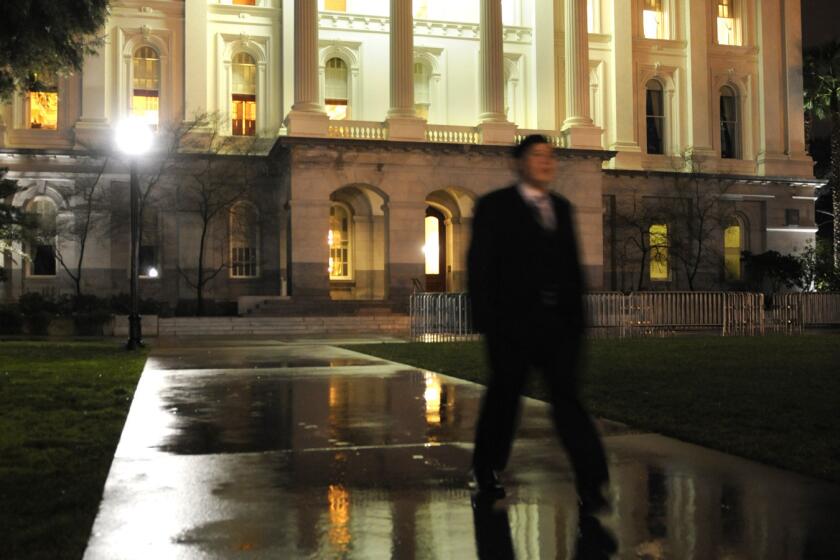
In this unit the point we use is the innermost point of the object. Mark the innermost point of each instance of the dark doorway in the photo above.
(435, 247)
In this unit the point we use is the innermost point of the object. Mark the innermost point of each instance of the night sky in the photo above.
(820, 21)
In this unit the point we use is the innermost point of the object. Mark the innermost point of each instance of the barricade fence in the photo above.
(446, 317)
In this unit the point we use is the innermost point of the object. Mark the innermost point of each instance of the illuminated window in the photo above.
(244, 95)
(145, 95)
(732, 251)
(655, 117)
(421, 9)
(338, 239)
(422, 76)
(244, 241)
(653, 20)
(43, 104)
(659, 269)
(335, 5)
(432, 247)
(727, 23)
(244, 2)
(42, 248)
(729, 126)
(336, 98)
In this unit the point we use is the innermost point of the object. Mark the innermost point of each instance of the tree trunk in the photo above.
(199, 285)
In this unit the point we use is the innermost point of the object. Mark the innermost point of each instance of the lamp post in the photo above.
(134, 138)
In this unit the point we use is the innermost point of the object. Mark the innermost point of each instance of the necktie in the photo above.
(545, 212)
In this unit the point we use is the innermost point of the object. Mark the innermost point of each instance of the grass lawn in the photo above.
(62, 408)
(772, 399)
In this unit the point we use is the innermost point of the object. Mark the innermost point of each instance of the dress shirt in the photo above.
(540, 200)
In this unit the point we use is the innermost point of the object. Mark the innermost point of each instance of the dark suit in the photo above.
(526, 291)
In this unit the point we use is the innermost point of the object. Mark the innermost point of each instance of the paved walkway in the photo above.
(301, 449)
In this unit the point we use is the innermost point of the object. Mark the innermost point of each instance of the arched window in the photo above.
(42, 249)
(42, 104)
(244, 95)
(338, 238)
(655, 116)
(145, 95)
(422, 100)
(244, 241)
(336, 82)
(730, 137)
(659, 265)
(732, 248)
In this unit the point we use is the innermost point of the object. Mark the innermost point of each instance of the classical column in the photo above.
(307, 117)
(701, 125)
(624, 112)
(403, 123)
(495, 128)
(801, 162)
(578, 128)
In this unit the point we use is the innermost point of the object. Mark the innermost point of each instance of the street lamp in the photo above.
(134, 138)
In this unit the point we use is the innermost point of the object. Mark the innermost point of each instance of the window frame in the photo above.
(245, 100)
(736, 15)
(132, 77)
(232, 245)
(737, 133)
(30, 269)
(659, 250)
(350, 276)
(734, 222)
(663, 118)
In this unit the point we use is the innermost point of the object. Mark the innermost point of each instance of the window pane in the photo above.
(336, 112)
(43, 109)
(335, 5)
(432, 247)
(655, 118)
(659, 269)
(43, 261)
(338, 239)
(243, 115)
(728, 124)
(335, 76)
(732, 252)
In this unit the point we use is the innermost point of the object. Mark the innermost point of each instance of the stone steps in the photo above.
(394, 325)
(322, 308)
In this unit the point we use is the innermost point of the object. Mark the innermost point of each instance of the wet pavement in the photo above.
(301, 449)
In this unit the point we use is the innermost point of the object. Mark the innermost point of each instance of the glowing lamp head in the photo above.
(133, 136)
(152, 273)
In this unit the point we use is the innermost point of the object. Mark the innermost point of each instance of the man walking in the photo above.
(526, 290)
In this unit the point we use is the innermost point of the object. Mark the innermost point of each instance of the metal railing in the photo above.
(443, 317)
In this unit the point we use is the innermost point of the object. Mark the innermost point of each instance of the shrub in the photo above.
(120, 304)
(90, 323)
(38, 323)
(31, 303)
(11, 320)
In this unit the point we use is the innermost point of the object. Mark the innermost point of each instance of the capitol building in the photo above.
(380, 122)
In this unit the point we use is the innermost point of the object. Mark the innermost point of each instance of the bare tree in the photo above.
(215, 174)
(634, 219)
(697, 216)
(85, 218)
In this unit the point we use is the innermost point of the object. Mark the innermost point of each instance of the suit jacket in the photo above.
(518, 271)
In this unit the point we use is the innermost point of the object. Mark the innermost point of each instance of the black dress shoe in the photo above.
(594, 542)
(486, 483)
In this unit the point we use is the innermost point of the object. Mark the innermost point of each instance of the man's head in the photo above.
(534, 159)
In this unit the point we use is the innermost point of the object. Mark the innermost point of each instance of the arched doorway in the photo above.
(435, 250)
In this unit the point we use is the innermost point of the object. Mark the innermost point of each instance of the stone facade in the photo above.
(579, 71)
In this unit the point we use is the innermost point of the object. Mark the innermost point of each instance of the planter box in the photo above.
(148, 325)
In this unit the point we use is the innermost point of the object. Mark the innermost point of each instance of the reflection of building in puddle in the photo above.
(439, 400)
(339, 504)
